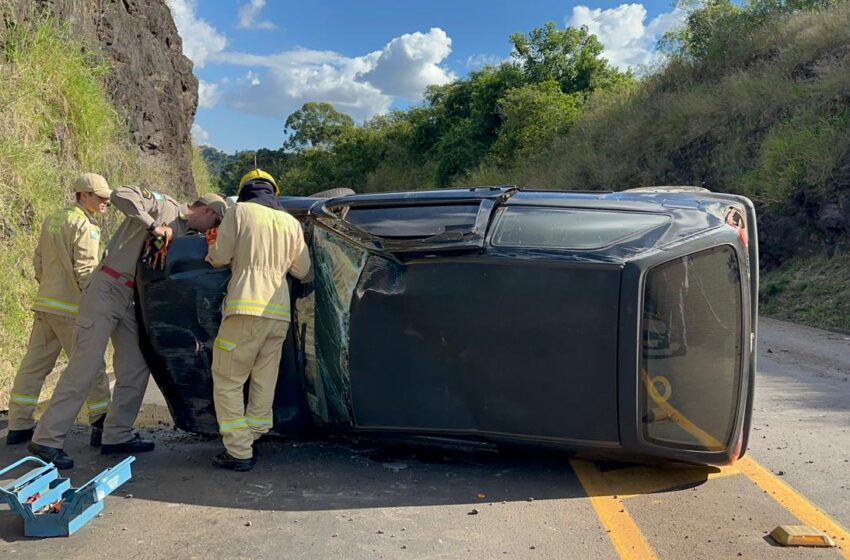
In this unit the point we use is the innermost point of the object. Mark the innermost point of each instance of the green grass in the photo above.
(204, 182)
(57, 121)
(810, 290)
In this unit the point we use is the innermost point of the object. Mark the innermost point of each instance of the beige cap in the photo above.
(93, 183)
(218, 205)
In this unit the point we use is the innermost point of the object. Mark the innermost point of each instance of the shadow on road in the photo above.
(314, 475)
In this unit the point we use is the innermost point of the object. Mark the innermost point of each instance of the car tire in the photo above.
(332, 193)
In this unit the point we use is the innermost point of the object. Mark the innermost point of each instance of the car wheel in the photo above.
(331, 193)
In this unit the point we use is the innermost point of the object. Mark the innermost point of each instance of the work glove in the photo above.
(211, 235)
(159, 257)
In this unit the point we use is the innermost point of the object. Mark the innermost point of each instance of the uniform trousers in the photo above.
(247, 348)
(50, 335)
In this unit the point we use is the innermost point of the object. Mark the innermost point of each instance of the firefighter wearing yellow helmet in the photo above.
(260, 243)
(258, 175)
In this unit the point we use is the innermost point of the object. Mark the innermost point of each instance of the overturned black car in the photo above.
(618, 324)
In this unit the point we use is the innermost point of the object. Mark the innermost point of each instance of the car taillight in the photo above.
(736, 220)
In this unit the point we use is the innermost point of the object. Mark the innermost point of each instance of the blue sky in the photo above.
(260, 60)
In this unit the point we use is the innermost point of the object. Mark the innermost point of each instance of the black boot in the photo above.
(225, 460)
(96, 437)
(51, 455)
(19, 436)
(135, 445)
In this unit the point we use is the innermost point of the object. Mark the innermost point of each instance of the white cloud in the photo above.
(629, 42)
(359, 86)
(208, 94)
(248, 16)
(409, 63)
(477, 61)
(294, 57)
(200, 136)
(201, 41)
(292, 78)
(276, 85)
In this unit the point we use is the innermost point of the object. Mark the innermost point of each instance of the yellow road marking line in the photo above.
(708, 441)
(608, 490)
(627, 538)
(795, 503)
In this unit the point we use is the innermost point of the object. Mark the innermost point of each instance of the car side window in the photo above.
(569, 228)
(412, 222)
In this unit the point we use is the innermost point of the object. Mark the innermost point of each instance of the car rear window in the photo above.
(405, 222)
(690, 367)
(568, 228)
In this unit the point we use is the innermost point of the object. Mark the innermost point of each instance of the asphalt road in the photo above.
(358, 499)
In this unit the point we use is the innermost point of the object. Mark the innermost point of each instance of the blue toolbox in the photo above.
(48, 504)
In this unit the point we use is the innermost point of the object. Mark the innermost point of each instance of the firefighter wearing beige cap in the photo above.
(67, 254)
(108, 312)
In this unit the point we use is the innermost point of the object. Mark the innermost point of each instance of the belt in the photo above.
(117, 275)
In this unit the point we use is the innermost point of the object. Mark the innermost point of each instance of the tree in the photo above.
(465, 119)
(572, 57)
(533, 116)
(315, 125)
(216, 159)
(707, 22)
(276, 162)
(713, 25)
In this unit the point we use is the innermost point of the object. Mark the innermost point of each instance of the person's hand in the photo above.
(211, 235)
(163, 232)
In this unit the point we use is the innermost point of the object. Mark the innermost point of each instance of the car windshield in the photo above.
(411, 222)
(566, 228)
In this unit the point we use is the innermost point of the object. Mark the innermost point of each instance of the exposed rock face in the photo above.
(152, 82)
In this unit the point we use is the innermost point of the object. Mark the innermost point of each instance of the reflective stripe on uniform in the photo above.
(56, 304)
(256, 306)
(26, 400)
(257, 421)
(225, 345)
(97, 407)
(233, 424)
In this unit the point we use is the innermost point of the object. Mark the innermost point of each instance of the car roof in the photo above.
(693, 210)
(648, 199)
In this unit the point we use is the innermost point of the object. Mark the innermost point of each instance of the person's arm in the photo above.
(301, 263)
(221, 252)
(137, 204)
(84, 254)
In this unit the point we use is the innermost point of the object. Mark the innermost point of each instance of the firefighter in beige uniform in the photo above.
(107, 311)
(66, 255)
(261, 243)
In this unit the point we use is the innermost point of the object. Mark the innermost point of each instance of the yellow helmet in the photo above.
(255, 174)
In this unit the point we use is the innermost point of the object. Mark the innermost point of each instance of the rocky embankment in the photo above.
(151, 81)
